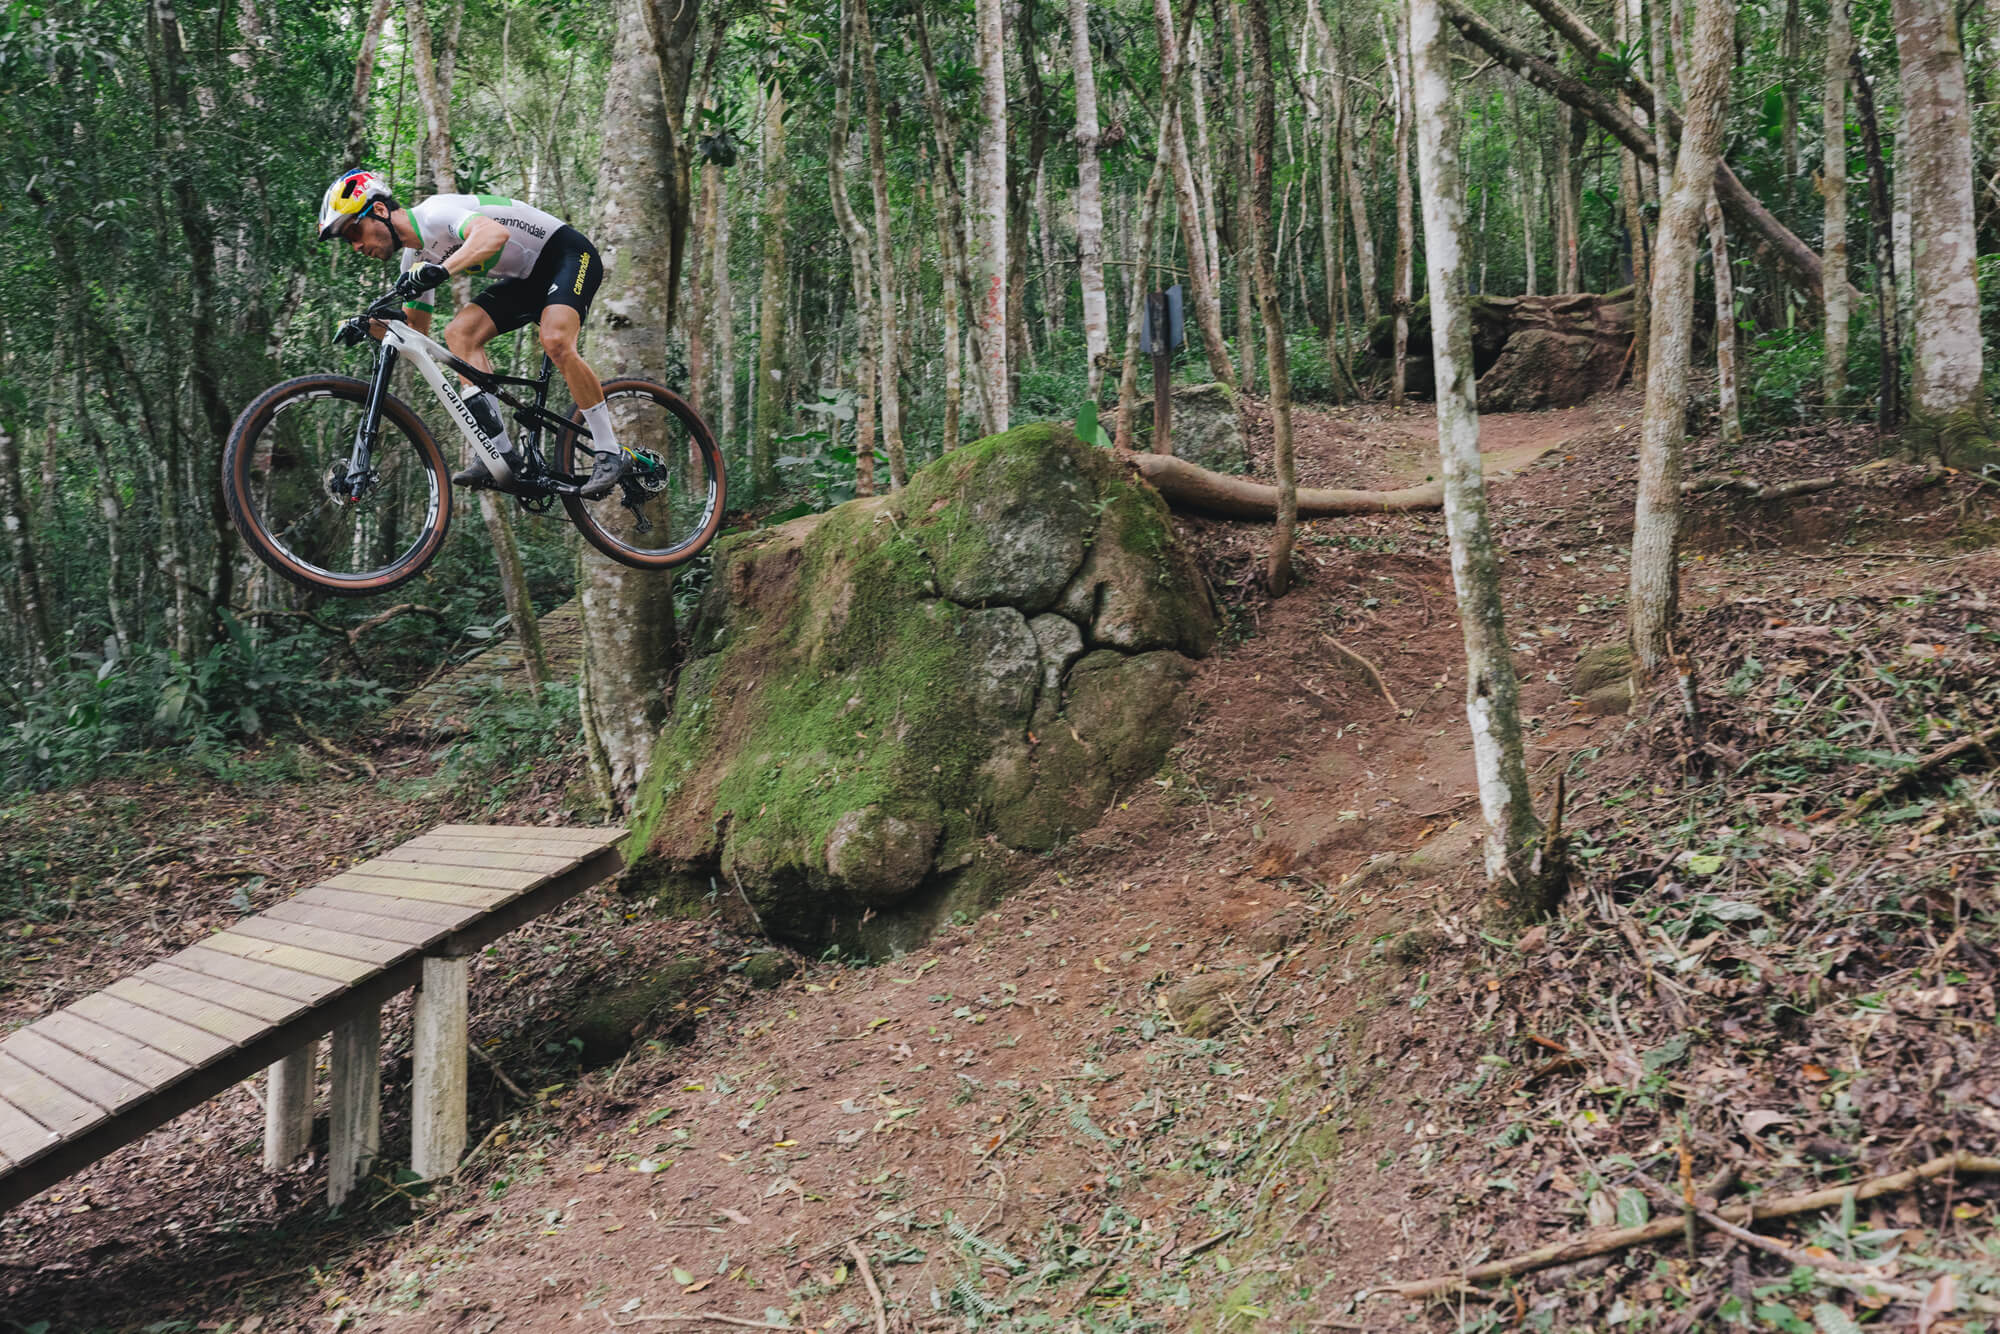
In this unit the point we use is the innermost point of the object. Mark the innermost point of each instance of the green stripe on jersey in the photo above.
(500, 201)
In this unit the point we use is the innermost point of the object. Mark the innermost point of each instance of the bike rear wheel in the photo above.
(285, 476)
(672, 506)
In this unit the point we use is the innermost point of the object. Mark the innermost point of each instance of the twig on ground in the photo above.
(335, 751)
(868, 1280)
(498, 1073)
(1903, 778)
(694, 1318)
(1659, 1229)
(1367, 667)
(747, 903)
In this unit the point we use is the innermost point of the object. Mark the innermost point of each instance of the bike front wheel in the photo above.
(670, 505)
(289, 477)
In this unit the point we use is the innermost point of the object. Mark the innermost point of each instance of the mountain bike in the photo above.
(339, 487)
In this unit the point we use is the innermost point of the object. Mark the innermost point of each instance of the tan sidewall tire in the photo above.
(696, 543)
(236, 457)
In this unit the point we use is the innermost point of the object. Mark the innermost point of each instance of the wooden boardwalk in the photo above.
(97, 1074)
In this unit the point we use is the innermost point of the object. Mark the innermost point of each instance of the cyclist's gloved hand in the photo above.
(350, 335)
(421, 279)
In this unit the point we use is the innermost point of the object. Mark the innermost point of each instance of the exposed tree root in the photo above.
(1661, 1229)
(1187, 487)
(1942, 755)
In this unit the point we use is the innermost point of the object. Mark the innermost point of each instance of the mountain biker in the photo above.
(547, 274)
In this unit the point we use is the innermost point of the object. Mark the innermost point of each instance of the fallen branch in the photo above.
(1753, 489)
(1942, 755)
(1600, 1243)
(1367, 667)
(874, 1293)
(1187, 487)
(335, 751)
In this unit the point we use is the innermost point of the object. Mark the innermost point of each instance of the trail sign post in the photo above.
(1162, 330)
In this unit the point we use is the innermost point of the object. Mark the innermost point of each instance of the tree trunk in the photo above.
(769, 399)
(1364, 238)
(1833, 185)
(989, 200)
(1565, 198)
(722, 314)
(1089, 202)
(1325, 131)
(628, 615)
(1405, 275)
(1527, 187)
(1194, 233)
(860, 252)
(1525, 879)
(891, 356)
(1727, 408)
(1263, 147)
(1654, 597)
(1889, 402)
(30, 597)
(1247, 315)
(1128, 379)
(952, 197)
(364, 83)
(1947, 409)
(434, 92)
(954, 383)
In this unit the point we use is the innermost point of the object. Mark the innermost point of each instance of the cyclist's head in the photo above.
(348, 198)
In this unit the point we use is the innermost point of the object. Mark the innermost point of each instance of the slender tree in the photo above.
(1263, 152)
(1833, 185)
(861, 252)
(1947, 405)
(1524, 877)
(1089, 198)
(772, 369)
(989, 192)
(1655, 580)
(1405, 274)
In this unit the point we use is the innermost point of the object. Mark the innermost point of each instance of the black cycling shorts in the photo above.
(567, 274)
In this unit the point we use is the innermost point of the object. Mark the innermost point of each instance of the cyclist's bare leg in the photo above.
(468, 334)
(560, 326)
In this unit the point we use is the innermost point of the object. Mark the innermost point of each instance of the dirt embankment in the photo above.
(1235, 1055)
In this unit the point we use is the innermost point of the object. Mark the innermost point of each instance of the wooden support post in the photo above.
(288, 1095)
(356, 1098)
(437, 1121)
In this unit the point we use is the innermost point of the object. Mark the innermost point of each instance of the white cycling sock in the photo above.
(598, 419)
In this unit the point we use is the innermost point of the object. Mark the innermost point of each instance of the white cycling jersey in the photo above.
(442, 222)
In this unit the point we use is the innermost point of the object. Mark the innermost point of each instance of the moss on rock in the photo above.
(885, 701)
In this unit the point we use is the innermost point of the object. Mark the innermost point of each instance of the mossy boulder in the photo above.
(606, 1025)
(1207, 427)
(887, 705)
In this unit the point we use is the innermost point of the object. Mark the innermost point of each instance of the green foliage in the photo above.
(519, 735)
(106, 710)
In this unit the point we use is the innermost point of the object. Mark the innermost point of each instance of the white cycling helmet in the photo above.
(353, 193)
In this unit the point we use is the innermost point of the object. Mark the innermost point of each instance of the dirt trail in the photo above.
(1192, 1073)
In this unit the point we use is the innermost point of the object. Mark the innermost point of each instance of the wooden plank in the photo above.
(600, 837)
(237, 1027)
(548, 864)
(132, 1060)
(182, 1041)
(296, 958)
(52, 1106)
(306, 987)
(323, 940)
(98, 1085)
(225, 980)
(503, 842)
(354, 922)
(460, 877)
(420, 912)
(21, 1136)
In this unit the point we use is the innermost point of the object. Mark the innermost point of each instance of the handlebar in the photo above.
(388, 306)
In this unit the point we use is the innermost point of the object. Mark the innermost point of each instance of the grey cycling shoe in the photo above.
(477, 475)
(609, 468)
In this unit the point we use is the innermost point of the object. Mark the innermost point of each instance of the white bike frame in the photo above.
(426, 352)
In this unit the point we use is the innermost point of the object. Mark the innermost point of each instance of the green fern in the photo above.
(1083, 1125)
(977, 1244)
